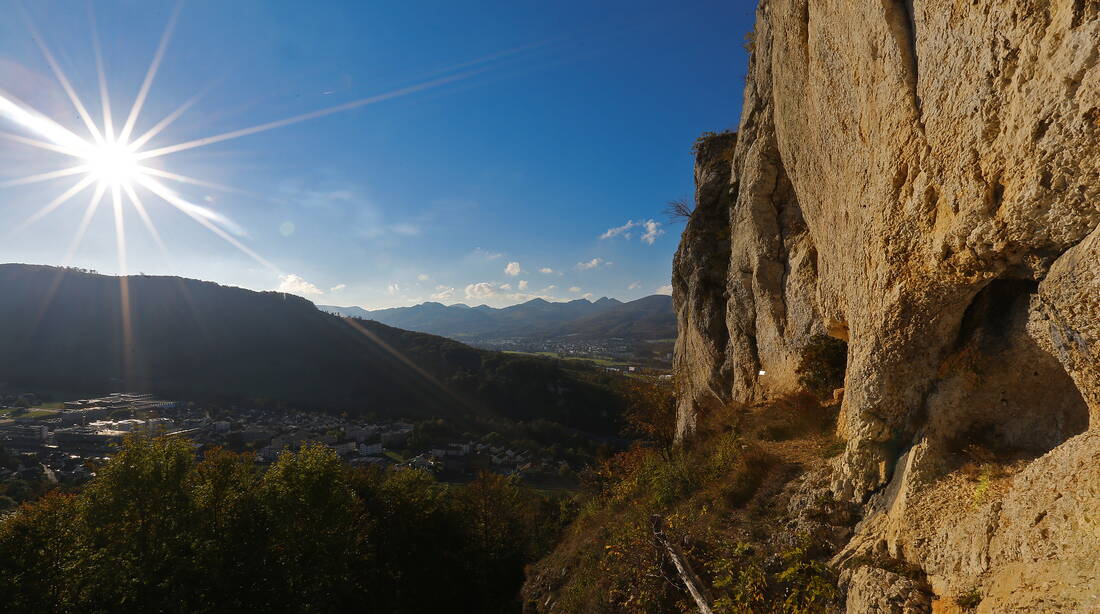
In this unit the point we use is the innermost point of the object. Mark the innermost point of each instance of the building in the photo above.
(23, 436)
(86, 438)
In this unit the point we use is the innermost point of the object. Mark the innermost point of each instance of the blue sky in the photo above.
(523, 150)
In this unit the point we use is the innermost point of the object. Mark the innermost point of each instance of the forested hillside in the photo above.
(70, 330)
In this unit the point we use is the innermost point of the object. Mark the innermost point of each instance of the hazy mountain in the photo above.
(650, 318)
(68, 330)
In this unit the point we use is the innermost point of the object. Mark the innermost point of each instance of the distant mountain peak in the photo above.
(647, 318)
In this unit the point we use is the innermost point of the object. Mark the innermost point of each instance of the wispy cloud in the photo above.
(666, 290)
(393, 288)
(486, 254)
(575, 289)
(589, 265)
(293, 284)
(634, 286)
(443, 293)
(423, 277)
(523, 284)
(337, 287)
(623, 230)
(364, 218)
(404, 229)
(546, 270)
(652, 230)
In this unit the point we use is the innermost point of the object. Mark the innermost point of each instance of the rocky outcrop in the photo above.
(920, 178)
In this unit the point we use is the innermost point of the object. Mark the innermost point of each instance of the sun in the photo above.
(113, 165)
(113, 161)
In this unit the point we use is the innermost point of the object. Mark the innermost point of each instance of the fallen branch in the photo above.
(694, 585)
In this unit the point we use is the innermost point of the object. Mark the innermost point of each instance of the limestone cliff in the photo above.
(920, 178)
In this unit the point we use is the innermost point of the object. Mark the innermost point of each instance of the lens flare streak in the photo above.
(113, 161)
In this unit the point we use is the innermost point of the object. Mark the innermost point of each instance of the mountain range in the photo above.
(646, 318)
(65, 329)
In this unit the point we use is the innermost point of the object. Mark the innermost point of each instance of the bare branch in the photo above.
(679, 210)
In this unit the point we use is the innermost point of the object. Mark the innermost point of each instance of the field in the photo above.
(34, 412)
(603, 362)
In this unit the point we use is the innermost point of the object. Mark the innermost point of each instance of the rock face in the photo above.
(920, 178)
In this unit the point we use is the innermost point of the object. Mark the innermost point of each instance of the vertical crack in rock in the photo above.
(902, 20)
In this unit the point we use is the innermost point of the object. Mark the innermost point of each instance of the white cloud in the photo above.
(666, 290)
(652, 231)
(587, 295)
(523, 284)
(481, 290)
(512, 269)
(575, 289)
(486, 254)
(337, 287)
(549, 288)
(634, 286)
(494, 293)
(620, 230)
(591, 264)
(292, 284)
(443, 293)
(546, 270)
(423, 277)
(393, 289)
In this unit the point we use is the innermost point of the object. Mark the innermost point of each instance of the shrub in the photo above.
(833, 448)
(981, 491)
(679, 210)
(715, 146)
(809, 583)
(750, 42)
(740, 583)
(822, 365)
(969, 600)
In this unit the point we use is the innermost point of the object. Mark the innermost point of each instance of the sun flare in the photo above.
(113, 165)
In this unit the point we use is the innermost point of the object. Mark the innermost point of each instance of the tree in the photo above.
(159, 531)
(651, 409)
(500, 520)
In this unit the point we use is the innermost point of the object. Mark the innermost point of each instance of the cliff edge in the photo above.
(920, 179)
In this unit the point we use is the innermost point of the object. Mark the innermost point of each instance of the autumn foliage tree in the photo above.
(651, 409)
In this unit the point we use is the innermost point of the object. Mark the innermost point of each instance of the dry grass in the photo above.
(725, 487)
